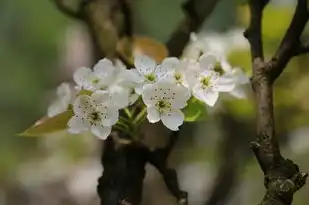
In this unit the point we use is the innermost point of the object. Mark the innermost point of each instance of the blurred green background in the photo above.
(40, 47)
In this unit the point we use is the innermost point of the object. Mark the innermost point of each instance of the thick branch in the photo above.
(196, 12)
(282, 176)
(124, 171)
(65, 9)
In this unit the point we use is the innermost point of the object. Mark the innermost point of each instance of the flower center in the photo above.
(94, 116)
(151, 77)
(95, 81)
(206, 82)
(177, 76)
(163, 106)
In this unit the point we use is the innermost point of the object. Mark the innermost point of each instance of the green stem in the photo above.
(124, 129)
(128, 113)
(140, 117)
(125, 120)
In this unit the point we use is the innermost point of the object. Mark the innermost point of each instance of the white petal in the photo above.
(152, 114)
(148, 94)
(208, 61)
(102, 132)
(64, 90)
(105, 71)
(104, 67)
(240, 77)
(225, 84)
(160, 72)
(139, 89)
(144, 64)
(119, 96)
(170, 64)
(182, 95)
(226, 67)
(120, 65)
(77, 125)
(177, 95)
(81, 76)
(133, 98)
(173, 119)
(100, 97)
(57, 107)
(238, 92)
(82, 106)
(208, 96)
(109, 114)
(130, 76)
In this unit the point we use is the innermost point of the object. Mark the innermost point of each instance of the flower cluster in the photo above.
(162, 90)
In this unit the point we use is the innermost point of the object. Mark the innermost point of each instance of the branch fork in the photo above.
(282, 177)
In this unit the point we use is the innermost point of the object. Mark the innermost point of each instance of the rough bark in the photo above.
(282, 177)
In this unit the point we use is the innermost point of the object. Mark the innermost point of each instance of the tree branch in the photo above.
(303, 49)
(290, 44)
(282, 176)
(196, 12)
(65, 9)
(124, 171)
(254, 31)
(159, 158)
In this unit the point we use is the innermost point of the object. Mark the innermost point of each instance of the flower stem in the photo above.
(124, 127)
(128, 113)
(140, 117)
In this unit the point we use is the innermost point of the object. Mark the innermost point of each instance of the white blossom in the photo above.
(109, 77)
(177, 70)
(240, 79)
(96, 113)
(65, 96)
(164, 101)
(100, 78)
(206, 83)
(219, 44)
(147, 71)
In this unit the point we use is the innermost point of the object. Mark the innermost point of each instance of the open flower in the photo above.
(64, 98)
(100, 78)
(207, 84)
(96, 113)
(164, 101)
(177, 70)
(107, 77)
(147, 71)
(239, 77)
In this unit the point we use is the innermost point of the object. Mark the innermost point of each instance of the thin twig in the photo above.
(65, 9)
(196, 12)
(290, 43)
(254, 31)
(159, 158)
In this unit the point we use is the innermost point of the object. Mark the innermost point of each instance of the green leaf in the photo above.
(195, 110)
(49, 125)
